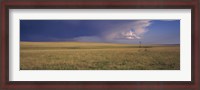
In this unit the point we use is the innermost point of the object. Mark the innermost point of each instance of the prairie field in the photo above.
(97, 56)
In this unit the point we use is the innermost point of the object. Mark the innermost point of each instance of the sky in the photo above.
(103, 31)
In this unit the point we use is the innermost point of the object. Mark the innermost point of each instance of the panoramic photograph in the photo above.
(100, 44)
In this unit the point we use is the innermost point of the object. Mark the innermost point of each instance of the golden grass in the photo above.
(97, 56)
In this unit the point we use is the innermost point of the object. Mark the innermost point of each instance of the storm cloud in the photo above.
(120, 31)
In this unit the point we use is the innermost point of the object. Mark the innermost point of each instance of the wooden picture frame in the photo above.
(138, 85)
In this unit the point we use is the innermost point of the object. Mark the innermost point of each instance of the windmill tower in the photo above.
(140, 44)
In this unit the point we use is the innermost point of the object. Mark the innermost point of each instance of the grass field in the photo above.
(97, 56)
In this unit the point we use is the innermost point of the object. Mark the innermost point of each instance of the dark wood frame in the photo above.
(154, 85)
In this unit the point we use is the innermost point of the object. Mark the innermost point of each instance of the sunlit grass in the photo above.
(97, 56)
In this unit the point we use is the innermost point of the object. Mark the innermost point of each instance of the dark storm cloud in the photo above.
(118, 31)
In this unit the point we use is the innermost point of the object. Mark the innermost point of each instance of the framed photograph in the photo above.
(100, 44)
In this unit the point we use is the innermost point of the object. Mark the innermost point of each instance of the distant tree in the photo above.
(140, 44)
